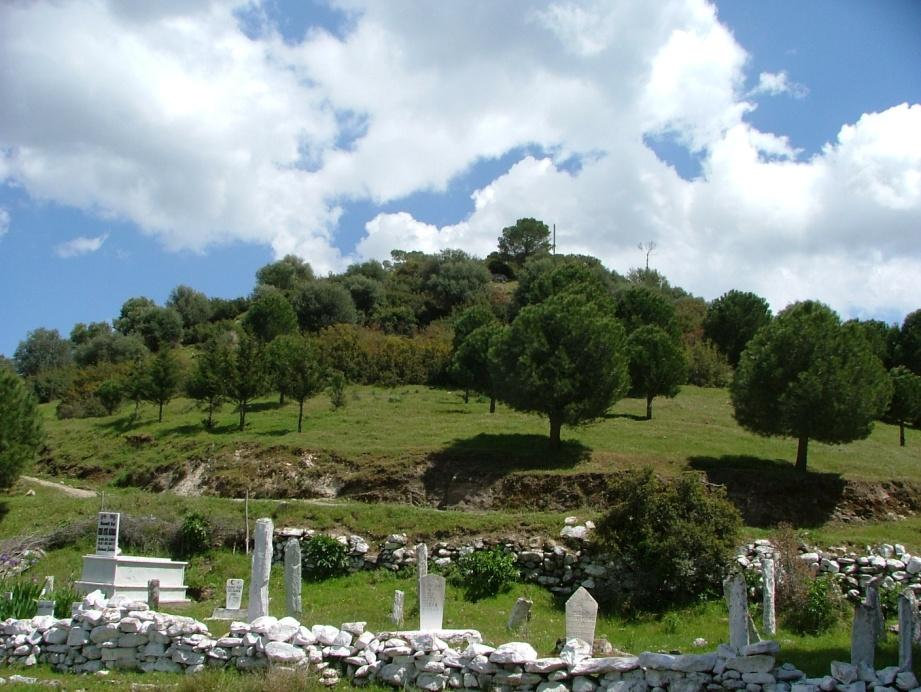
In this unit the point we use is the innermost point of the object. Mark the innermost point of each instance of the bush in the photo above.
(336, 389)
(486, 573)
(707, 367)
(195, 536)
(678, 536)
(324, 557)
(23, 602)
(63, 598)
(819, 610)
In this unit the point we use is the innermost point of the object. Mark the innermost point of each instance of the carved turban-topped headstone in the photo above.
(581, 616)
(262, 569)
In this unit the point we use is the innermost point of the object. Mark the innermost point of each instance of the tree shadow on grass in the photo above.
(468, 465)
(770, 491)
(628, 416)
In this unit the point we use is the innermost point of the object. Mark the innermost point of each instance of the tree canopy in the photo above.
(657, 364)
(564, 358)
(270, 315)
(21, 434)
(526, 239)
(637, 306)
(804, 375)
(733, 319)
(905, 406)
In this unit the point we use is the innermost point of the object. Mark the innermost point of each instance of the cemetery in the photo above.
(119, 626)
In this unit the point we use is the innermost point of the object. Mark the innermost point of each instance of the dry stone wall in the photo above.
(572, 560)
(120, 634)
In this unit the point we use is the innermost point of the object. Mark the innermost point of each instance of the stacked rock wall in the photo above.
(572, 561)
(126, 635)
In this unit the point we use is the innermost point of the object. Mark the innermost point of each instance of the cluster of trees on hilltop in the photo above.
(560, 335)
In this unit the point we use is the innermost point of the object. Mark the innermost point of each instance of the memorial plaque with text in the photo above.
(431, 602)
(581, 616)
(234, 593)
(107, 533)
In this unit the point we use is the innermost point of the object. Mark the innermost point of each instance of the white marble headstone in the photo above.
(107, 533)
(581, 616)
(234, 594)
(431, 602)
(45, 608)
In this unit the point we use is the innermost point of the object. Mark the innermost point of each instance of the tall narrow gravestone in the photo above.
(396, 613)
(431, 602)
(262, 569)
(908, 615)
(770, 616)
(736, 592)
(863, 635)
(293, 577)
(422, 563)
(581, 616)
(521, 613)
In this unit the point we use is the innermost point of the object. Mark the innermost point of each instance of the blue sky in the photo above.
(773, 147)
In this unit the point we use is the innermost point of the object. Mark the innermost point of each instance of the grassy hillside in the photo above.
(386, 429)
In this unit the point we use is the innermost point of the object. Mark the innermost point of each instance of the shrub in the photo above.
(677, 535)
(486, 573)
(821, 607)
(63, 598)
(195, 536)
(23, 602)
(324, 557)
(336, 389)
(707, 367)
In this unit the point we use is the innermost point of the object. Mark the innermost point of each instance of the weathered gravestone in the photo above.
(908, 623)
(863, 635)
(581, 616)
(48, 586)
(293, 577)
(45, 607)
(422, 563)
(233, 601)
(262, 570)
(736, 593)
(770, 615)
(521, 613)
(431, 602)
(396, 613)
(153, 594)
(234, 594)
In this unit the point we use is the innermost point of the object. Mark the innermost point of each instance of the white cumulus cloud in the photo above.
(81, 245)
(776, 83)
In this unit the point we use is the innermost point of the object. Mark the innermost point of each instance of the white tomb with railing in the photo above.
(127, 575)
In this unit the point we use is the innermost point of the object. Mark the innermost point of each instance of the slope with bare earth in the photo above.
(425, 446)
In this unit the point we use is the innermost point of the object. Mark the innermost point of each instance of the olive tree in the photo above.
(807, 376)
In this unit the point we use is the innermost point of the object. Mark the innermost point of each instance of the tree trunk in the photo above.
(801, 449)
(466, 396)
(300, 414)
(281, 397)
(492, 404)
(648, 407)
(242, 415)
(210, 413)
(160, 413)
(901, 433)
(555, 425)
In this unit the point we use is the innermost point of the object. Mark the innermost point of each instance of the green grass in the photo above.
(391, 428)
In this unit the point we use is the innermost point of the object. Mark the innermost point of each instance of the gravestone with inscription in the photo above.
(581, 616)
(233, 601)
(115, 574)
(431, 602)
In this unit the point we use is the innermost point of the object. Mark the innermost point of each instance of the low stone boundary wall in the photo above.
(572, 561)
(127, 635)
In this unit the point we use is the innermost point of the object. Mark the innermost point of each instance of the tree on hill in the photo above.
(245, 374)
(285, 274)
(21, 433)
(193, 306)
(544, 277)
(526, 239)
(657, 364)
(270, 315)
(463, 367)
(471, 365)
(564, 357)
(909, 346)
(297, 357)
(905, 406)
(44, 358)
(320, 304)
(163, 381)
(733, 319)
(132, 310)
(804, 375)
(206, 384)
(637, 306)
(883, 339)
